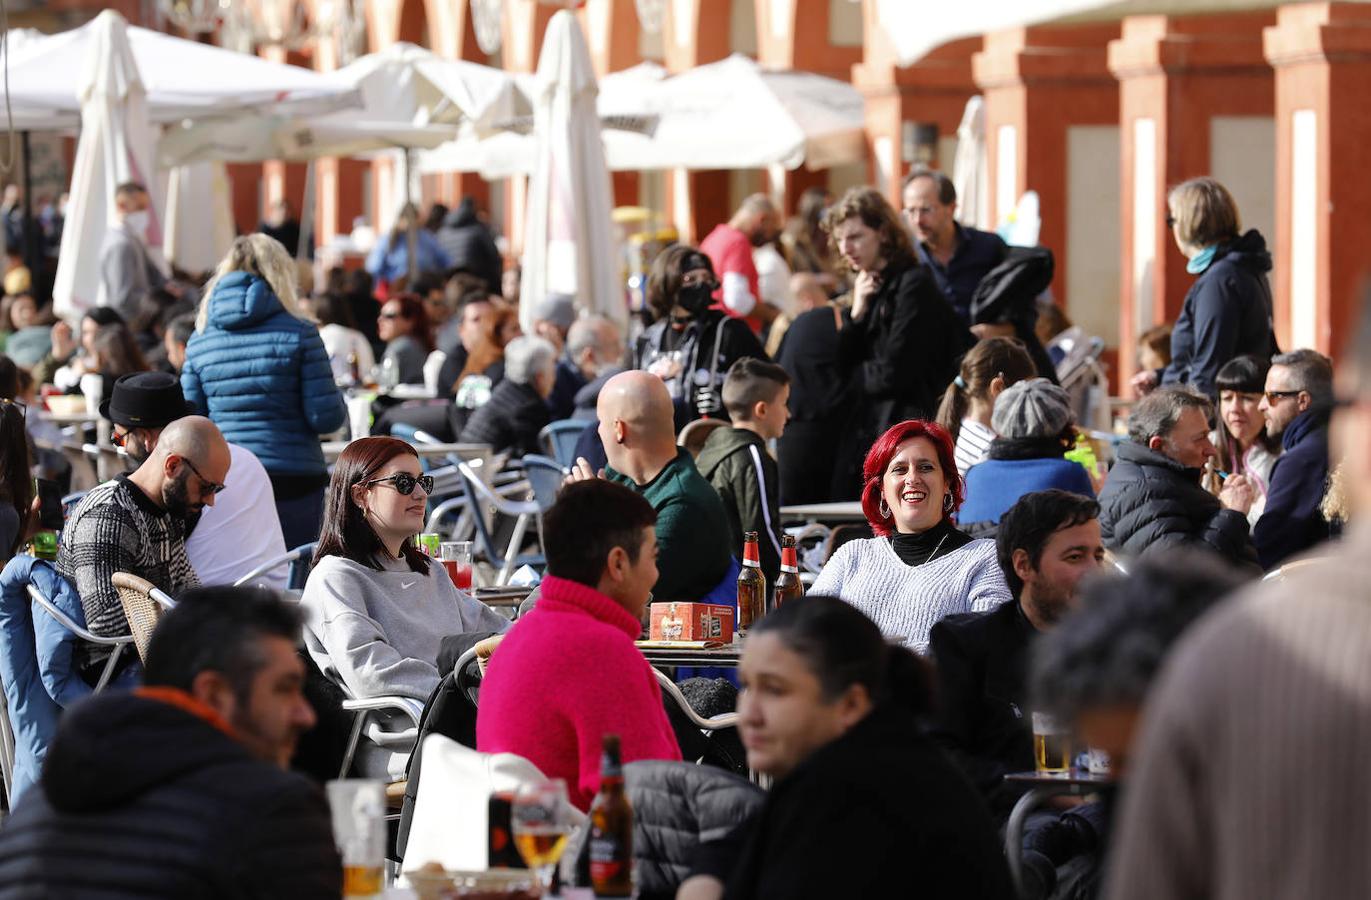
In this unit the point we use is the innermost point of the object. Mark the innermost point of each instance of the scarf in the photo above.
(1201, 262)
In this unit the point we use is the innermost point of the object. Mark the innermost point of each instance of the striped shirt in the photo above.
(118, 528)
(973, 444)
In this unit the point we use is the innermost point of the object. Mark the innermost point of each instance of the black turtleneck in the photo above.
(924, 546)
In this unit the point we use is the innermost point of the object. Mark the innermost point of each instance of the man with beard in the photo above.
(1047, 542)
(179, 788)
(729, 247)
(136, 523)
(241, 531)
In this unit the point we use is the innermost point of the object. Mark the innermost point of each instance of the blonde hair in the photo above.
(260, 255)
(1204, 211)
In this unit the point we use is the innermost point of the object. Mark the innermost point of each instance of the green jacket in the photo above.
(692, 529)
(735, 461)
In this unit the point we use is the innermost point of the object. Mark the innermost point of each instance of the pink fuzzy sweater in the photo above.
(565, 675)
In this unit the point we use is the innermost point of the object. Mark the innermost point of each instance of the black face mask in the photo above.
(695, 298)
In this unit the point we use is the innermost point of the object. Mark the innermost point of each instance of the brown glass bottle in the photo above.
(788, 585)
(751, 585)
(611, 828)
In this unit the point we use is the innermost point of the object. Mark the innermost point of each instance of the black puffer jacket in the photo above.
(509, 420)
(469, 244)
(1151, 502)
(141, 798)
(676, 807)
(1227, 312)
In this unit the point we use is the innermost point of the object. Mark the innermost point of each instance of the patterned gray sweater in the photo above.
(117, 528)
(906, 601)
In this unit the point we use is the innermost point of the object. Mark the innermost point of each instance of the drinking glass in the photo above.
(456, 557)
(1051, 745)
(541, 817)
(357, 806)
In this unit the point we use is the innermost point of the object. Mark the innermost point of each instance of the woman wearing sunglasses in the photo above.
(378, 608)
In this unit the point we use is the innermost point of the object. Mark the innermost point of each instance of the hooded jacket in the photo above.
(1150, 502)
(735, 462)
(144, 797)
(1227, 312)
(469, 246)
(263, 376)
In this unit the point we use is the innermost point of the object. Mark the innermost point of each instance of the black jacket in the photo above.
(1292, 521)
(983, 720)
(1227, 312)
(1150, 502)
(677, 807)
(823, 401)
(735, 461)
(469, 245)
(880, 812)
(709, 345)
(142, 798)
(509, 420)
(561, 403)
(903, 352)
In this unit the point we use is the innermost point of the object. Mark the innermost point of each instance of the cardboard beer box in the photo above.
(691, 622)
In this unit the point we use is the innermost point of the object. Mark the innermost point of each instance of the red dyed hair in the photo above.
(883, 451)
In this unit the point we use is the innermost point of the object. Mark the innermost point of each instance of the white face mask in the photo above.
(138, 222)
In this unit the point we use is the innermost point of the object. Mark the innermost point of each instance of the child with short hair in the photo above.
(736, 462)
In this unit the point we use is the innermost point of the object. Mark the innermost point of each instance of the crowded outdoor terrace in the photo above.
(823, 556)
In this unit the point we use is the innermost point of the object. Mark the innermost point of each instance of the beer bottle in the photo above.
(751, 585)
(788, 585)
(611, 828)
(354, 369)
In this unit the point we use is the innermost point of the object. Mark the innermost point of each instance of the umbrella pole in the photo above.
(306, 215)
(413, 237)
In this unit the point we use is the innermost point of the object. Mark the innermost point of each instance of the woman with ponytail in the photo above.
(988, 368)
(831, 711)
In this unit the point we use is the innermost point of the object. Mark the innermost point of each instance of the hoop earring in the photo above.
(883, 509)
(947, 502)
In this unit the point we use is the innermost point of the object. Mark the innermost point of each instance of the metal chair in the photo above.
(116, 643)
(144, 605)
(298, 560)
(410, 710)
(559, 439)
(478, 493)
(1281, 573)
(713, 723)
(545, 476)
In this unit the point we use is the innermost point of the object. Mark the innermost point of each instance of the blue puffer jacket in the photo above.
(36, 662)
(263, 376)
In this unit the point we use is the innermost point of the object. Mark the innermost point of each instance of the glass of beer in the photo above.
(357, 807)
(1051, 745)
(542, 821)
(456, 557)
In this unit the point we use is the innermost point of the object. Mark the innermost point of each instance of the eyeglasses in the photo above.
(1274, 397)
(206, 486)
(404, 483)
(117, 438)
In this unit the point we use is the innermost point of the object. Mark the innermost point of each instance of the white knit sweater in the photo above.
(906, 601)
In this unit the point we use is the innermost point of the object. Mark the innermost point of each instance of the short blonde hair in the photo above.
(264, 257)
(1204, 211)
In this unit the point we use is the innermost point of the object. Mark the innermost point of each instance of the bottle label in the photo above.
(609, 859)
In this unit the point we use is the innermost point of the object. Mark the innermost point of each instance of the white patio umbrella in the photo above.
(199, 216)
(971, 167)
(569, 242)
(117, 144)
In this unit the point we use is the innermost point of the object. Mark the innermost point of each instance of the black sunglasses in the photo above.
(206, 486)
(404, 482)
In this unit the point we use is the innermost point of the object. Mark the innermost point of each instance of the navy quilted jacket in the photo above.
(263, 376)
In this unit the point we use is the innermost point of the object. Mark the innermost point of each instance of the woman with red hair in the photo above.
(919, 567)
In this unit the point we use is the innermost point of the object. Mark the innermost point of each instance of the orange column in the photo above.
(1322, 58)
(1177, 77)
(1039, 83)
(932, 91)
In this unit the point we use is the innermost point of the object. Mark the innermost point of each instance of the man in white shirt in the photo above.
(241, 530)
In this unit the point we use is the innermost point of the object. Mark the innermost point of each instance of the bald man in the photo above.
(136, 522)
(640, 443)
(729, 247)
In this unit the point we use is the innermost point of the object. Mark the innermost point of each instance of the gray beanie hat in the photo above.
(1031, 409)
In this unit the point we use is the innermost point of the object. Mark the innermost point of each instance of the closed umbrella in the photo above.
(569, 242)
(971, 168)
(117, 145)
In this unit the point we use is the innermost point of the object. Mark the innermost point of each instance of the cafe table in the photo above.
(691, 653)
(1043, 786)
(848, 511)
